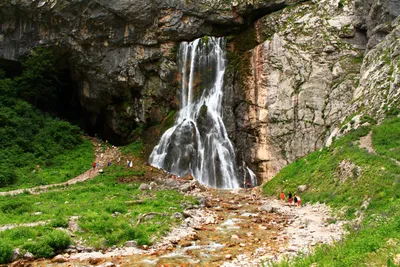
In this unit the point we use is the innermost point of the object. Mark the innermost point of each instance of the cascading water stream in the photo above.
(198, 143)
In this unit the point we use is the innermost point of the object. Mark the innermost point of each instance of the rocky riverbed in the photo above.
(228, 228)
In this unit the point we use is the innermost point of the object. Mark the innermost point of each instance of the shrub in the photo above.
(6, 253)
(57, 240)
(39, 249)
(59, 222)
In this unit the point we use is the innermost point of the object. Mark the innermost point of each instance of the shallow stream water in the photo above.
(239, 229)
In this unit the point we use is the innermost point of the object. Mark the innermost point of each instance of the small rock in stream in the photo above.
(29, 256)
(59, 259)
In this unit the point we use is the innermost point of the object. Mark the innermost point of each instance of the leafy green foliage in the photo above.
(377, 180)
(31, 141)
(6, 252)
(37, 82)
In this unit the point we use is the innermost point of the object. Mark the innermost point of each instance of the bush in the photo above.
(58, 240)
(39, 249)
(45, 247)
(6, 253)
(29, 138)
(59, 222)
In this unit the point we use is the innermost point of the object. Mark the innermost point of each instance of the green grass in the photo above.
(386, 139)
(377, 180)
(134, 148)
(41, 241)
(34, 144)
(60, 169)
(108, 211)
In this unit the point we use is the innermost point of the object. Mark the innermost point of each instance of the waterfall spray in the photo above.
(198, 143)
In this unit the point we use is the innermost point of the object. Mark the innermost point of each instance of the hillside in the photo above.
(36, 147)
(362, 185)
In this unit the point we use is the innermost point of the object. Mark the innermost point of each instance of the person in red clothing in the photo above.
(282, 197)
(94, 167)
(298, 200)
(290, 199)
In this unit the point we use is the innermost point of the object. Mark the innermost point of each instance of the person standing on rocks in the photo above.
(282, 197)
(93, 167)
(254, 193)
(297, 200)
(290, 198)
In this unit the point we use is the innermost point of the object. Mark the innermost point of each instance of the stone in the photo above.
(178, 215)
(396, 259)
(269, 208)
(95, 261)
(228, 256)
(29, 256)
(131, 244)
(16, 254)
(302, 188)
(144, 186)
(59, 259)
(186, 187)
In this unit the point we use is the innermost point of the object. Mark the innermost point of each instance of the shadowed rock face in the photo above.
(121, 53)
(293, 73)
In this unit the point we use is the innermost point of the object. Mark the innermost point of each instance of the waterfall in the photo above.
(198, 143)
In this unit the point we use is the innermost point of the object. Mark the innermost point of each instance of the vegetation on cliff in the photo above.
(37, 148)
(363, 187)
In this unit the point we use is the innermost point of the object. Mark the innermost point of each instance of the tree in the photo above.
(37, 82)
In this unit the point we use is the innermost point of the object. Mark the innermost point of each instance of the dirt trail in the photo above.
(366, 143)
(102, 157)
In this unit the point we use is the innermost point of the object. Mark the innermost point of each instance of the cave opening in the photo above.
(67, 105)
(11, 68)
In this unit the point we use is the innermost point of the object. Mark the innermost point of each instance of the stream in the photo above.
(231, 229)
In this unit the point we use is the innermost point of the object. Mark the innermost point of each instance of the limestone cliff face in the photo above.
(295, 72)
(121, 53)
(300, 82)
(307, 74)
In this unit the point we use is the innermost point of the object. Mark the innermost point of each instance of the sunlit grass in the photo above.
(377, 180)
(108, 210)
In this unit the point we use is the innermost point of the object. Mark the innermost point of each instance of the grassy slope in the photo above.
(64, 167)
(374, 240)
(108, 211)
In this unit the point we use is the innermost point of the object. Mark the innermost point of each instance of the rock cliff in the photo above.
(313, 65)
(296, 69)
(121, 53)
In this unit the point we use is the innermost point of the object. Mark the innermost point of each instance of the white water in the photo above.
(198, 143)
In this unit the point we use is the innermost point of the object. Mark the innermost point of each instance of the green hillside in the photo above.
(355, 183)
(37, 148)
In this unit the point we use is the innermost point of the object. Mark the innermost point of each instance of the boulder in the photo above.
(302, 188)
(269, 208)
(59, 259)
(144, 186)
(131, 244)
(29, 256)
(16, 254)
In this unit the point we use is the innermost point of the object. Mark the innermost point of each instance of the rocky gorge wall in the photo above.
(121, 53)
(314, 66)
(296, 69)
